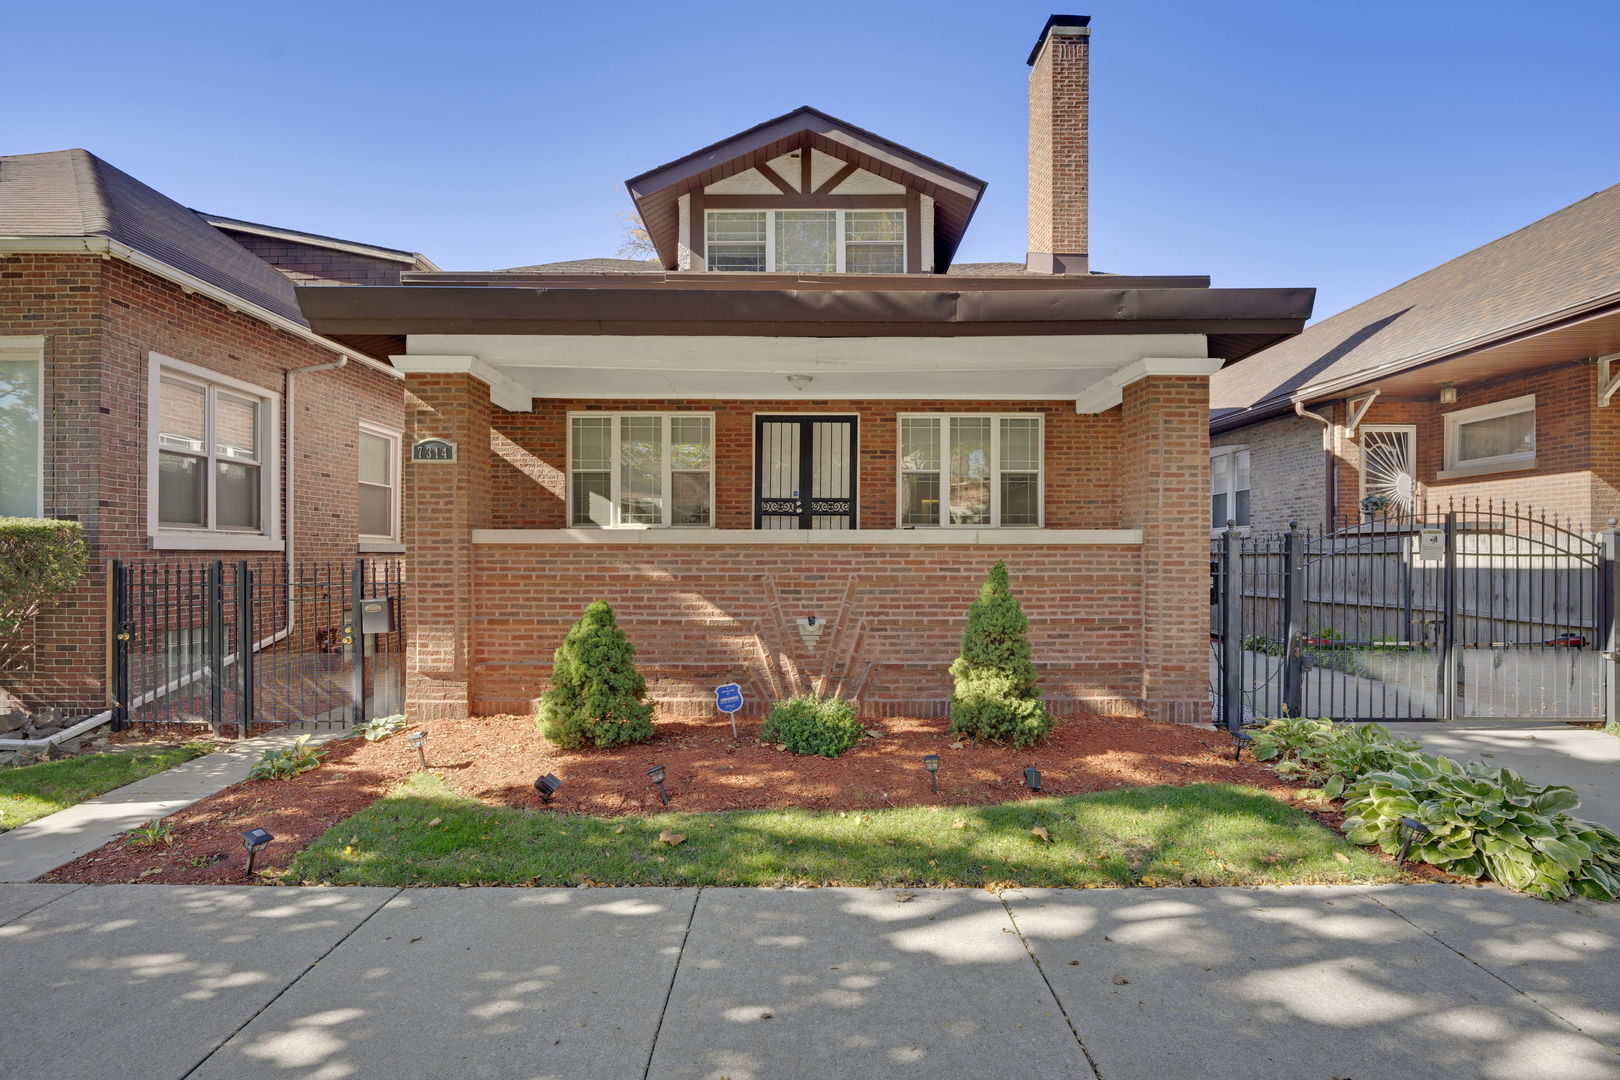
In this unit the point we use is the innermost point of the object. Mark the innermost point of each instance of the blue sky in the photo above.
(1345, 146)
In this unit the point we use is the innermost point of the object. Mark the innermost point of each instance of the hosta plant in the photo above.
(383, 726)
(1483, 821)
(286, 764)
(1290, 738)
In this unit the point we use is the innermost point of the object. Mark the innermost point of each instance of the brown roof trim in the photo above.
(956, 193)
(1248, 315)
(716, 280)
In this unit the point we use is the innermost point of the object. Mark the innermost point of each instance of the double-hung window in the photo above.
(1229, 486)
(213, 454)
(641, 469)
(378, 469)
(971, 471)
(807, 241)
(22, 443)
(1497, 437)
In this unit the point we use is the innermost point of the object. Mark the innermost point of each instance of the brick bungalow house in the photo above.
(789, 448)
(1492, 376)
(160, 385)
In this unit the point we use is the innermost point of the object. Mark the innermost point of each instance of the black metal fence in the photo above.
(1474, 610)
(245, 645)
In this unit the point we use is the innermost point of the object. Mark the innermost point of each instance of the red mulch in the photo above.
(496, 759)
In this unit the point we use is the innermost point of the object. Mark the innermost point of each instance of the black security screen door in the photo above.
(804, 472)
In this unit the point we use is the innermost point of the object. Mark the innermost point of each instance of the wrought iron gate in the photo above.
(1472, 611)
(804, 472)
(244, 646)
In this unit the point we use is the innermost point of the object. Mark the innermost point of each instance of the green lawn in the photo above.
(423, 833)
(32, 791)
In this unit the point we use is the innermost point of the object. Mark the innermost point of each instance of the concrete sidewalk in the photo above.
(41, 846)
(1307, 983)
(1586, 759)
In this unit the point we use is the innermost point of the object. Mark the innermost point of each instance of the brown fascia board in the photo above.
(419, 309)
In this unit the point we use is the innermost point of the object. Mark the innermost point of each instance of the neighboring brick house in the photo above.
(160, 385)
(1490, 377)
(789, 448)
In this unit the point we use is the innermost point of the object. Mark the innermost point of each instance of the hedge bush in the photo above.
(597, 697)
(813, 725)
(40, 560)
(995, 696)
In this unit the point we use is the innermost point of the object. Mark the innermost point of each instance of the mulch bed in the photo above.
(496, 759)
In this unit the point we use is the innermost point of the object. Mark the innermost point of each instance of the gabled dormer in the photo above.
(806, 193)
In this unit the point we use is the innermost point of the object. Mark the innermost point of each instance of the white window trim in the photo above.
(172, 537)
(770, 236)
(34, 346)
(1231, 489)
(615, 477)
(1497, 463)
(395, 439)
(945, 468)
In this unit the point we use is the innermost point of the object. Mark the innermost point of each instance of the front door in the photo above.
(804, 472)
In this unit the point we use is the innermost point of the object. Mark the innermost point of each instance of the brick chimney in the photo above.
(1059, 111)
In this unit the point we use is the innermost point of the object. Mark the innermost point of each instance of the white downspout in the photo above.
(292, 467)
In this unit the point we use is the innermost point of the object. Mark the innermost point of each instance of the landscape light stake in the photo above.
(931, 763)
(253, 840)
(656, 775)
(1032, 779)
(1240, 739)
(1410, 828)
(547, 786)
(418, 739)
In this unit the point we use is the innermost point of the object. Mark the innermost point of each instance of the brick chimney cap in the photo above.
(1054, 21)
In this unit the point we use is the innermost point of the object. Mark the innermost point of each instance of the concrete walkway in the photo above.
(1376, 983)
(41, 846)
(1586, 759)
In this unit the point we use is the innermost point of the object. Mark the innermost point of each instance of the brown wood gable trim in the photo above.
(771, 174)
(808, 202)
(848, 170)
(804, 168)
(914, 253)
(697, 227)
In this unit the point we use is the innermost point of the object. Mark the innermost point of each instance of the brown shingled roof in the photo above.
(1563, 264)
(68, 193)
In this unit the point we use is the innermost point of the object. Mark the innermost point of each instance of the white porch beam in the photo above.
(1608, 378)
(504, 391)
(1105, 394)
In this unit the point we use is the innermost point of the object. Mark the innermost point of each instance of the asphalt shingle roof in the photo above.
(1565, 261)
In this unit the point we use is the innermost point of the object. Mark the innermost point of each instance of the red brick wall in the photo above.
(101, 319)
(1572, 477)
(1082, 478)
(892, 617)
(1059, 177)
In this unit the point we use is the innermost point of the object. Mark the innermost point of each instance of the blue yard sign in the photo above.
(728, 699)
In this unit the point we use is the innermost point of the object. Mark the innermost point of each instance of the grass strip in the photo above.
(422, 833)
(28, 792)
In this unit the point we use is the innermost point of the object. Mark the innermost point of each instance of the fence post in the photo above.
(118, 624)
(244, 646)
(352, 633)
(1448, 623)
(1609, 621)
(1293, 621)
(216, 644)
(1231, 628)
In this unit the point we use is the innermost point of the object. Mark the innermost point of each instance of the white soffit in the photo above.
(1105, 393)
(747, 182)
(654, 367)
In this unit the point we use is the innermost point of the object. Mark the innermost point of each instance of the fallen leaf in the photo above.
(1341, 856)
(956, 746)
(618, 828)
(1074, 963)
(671, 838)
(959, 823)
(1040, 831)
(414, 940)
(904, 897)
(781, 746)
(434, 822)
(1120, 979)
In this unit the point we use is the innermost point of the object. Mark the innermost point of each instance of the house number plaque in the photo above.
(434, 450)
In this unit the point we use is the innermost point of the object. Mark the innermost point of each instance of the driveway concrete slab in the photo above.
(820, 983)
(1280, 984)
(1564, 956)
(1586, 759)
(123, 981)
(488, 983)
(40, 846)
(18, 900)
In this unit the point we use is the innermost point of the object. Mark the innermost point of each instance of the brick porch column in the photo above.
(1164, 437)
(445, 502)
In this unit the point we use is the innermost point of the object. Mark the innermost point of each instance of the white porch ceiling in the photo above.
(655, 367)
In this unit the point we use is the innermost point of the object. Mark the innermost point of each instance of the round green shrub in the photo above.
(995, 696)
(812, 725)
(597, 697)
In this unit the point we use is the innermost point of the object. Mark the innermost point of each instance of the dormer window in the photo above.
(807, 241)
